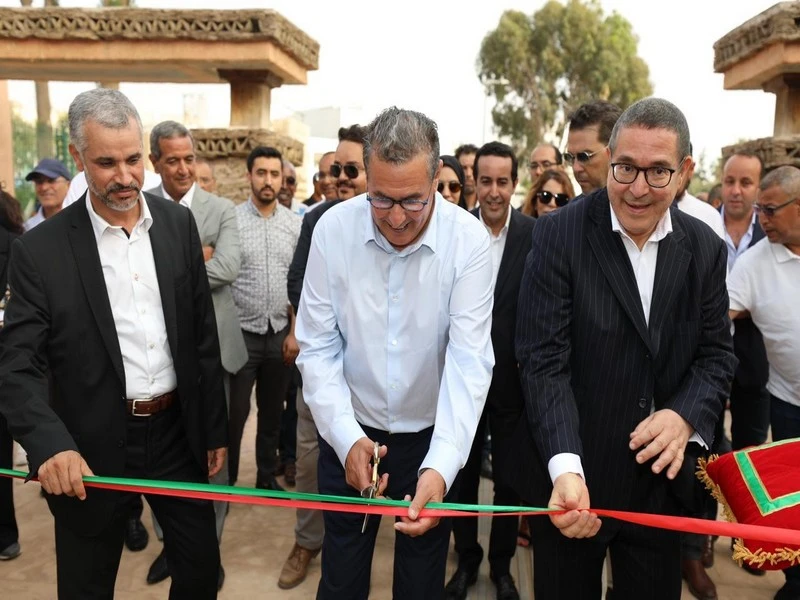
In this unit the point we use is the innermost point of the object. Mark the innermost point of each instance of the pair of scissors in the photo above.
(371, 490)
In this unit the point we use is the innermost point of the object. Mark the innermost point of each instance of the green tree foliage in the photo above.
(24, 144)
(540, 67)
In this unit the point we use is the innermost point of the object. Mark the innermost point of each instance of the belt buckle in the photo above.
(133, 407)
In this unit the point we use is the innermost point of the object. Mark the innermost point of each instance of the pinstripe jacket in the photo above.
(592, 367)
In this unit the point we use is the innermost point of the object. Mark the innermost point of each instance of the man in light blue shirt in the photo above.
(394, 332)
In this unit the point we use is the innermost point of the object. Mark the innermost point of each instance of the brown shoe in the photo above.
(295, 568)
(700, 584)
(708, 552)
(290, 474)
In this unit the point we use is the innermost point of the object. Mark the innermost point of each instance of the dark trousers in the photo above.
(157, 448)
(287, 448)
(8, 521)
(692, 544)
(645, 562)
(419, 562)
(785, 419)
(265, 368)
(503, 536)
(749, 415)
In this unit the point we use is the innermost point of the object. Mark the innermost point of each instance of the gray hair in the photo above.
(654, 113)
(110, 108)
(164, 131)
(285, 163)
(397, 136)
(786, 177)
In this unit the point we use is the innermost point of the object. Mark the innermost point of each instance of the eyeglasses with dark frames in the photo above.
(656, 177)
(769, 211)
(453, 186)
(409, 204)
(548, 197)
(350, 171)
(581, 157)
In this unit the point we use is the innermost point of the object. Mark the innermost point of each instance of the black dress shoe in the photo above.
(136, 536)
(270, 484)
(788, 592)
(159, 570)
(220, 578)
(506, 589)
(456, 588)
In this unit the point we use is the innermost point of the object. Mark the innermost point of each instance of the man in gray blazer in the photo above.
(172, 155)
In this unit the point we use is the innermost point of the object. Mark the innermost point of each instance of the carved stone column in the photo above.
(6, 146)
(227, 149)
(250, 96)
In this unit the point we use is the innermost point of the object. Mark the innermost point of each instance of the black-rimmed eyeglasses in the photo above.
(409, 204)
(350, 171)
(548, 197)
(769, 211)
(656, 177)
(581, 157)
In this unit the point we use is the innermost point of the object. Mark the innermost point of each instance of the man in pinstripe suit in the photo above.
(625, 350)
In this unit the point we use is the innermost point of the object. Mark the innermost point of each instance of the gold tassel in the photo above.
(759, 558)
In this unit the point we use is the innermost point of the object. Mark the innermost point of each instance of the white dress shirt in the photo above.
(704, 211)
(644, 263)
(187, 197)
(766, 282)
(734, 251)
(498, 244)
(129, 271)
(398, 340)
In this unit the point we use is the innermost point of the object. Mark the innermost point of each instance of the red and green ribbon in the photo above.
(399, 508)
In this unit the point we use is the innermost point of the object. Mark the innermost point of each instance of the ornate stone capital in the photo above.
(774, 152)
(774, 25)
(104, 24)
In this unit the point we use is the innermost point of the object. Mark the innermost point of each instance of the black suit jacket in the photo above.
(5, 249)
(297, 270)
(505, 390)
(590, 364)
(59, 318)
(748, 344)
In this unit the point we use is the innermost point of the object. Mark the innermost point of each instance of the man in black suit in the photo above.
(510, 233)
(625, 350)
(111, 296)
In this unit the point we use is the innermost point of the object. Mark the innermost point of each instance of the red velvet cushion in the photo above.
(760, 486)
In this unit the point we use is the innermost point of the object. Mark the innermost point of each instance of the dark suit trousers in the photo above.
(785, 420)
(265, 368)
(645, 561)
(8, 522)
(749, 415)
(157, 448)
(419, 562)
(503, 537)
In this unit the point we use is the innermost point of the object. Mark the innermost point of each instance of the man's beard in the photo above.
(107, 200)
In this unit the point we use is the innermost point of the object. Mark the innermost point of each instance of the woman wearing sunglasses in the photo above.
(451, 181)
(550, 191)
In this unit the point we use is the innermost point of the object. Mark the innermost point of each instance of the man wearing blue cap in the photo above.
(51, 182)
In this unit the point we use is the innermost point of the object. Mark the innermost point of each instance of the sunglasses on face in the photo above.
(548, 197)
(453, 186)
(769, 211)
(290, 180)
(350, 171)
(581, 157)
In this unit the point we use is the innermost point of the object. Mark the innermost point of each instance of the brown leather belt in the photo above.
(144, 407)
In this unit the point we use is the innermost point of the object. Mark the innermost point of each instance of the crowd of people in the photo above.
(404, 316)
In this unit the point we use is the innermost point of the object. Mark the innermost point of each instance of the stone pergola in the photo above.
(764, 54)
(252, 50)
